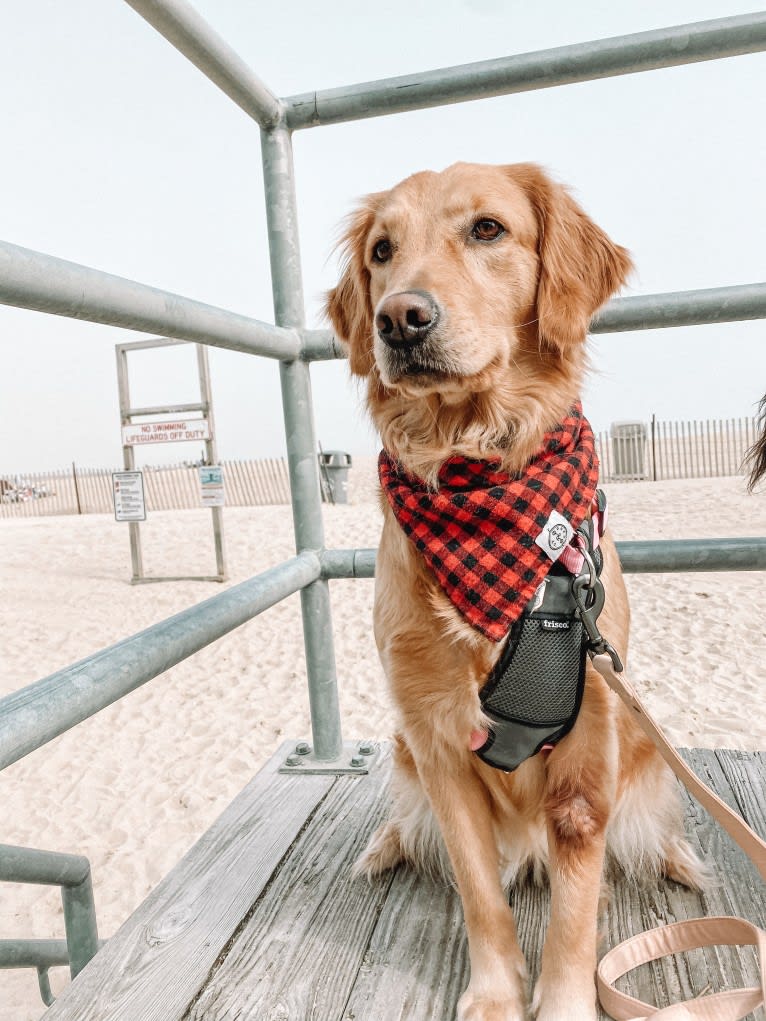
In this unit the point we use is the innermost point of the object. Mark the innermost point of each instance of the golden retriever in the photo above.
(500, 270)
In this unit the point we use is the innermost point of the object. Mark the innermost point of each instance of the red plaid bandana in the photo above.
(481, 532)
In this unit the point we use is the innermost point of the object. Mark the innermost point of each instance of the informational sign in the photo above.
(128, 492)
(211, 485)
(175, 431)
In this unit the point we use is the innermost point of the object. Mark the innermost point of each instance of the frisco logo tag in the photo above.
(555, 536)
(555, 625)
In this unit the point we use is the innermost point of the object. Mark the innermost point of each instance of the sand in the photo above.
(135, 786)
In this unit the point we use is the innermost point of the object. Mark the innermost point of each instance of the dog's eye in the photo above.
(487, 230)
(382, 251)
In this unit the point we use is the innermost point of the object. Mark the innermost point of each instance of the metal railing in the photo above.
(32, 280)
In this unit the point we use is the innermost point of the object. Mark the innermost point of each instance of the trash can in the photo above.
(334, 467)
(629, 449)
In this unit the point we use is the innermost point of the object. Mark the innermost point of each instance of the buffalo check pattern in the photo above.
(477, 531)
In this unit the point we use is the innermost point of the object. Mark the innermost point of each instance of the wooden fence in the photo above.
(166, 487)
(628, 452)
(675, 450)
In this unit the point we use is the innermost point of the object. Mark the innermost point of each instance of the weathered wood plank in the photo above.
(157, 962)
(416, 965)
(262, 920)
(746, 774)
(300, 950)
(736, 890)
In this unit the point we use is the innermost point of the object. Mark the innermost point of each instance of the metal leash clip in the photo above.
(588, 592)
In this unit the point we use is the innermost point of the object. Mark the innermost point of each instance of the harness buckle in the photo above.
(588, 593)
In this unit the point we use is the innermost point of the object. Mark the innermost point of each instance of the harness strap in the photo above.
(731, 1005)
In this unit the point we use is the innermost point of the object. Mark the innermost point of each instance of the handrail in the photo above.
(191, 35)
(33, 716)
(682, 308)
(636, 557)
(542, 69)
(45, 283)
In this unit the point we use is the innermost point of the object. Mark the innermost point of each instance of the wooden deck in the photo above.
(261, 921)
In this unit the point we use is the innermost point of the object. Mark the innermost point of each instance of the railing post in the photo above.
(287, 288)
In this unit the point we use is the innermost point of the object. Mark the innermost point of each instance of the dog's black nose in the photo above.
(405, 319)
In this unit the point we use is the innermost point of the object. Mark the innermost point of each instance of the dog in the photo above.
(464, 302)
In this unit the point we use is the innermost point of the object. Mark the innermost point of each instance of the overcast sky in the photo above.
(117, 153)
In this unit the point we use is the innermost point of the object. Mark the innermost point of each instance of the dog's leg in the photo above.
(580, 789)
(497, 990)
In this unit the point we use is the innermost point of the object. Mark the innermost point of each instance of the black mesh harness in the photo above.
(533, 695)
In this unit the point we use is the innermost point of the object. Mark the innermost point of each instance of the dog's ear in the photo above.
(348, 305)
(580, 266)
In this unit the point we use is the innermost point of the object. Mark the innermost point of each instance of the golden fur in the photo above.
(503, 363)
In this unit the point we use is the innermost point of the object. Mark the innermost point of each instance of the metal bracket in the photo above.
(357, 757)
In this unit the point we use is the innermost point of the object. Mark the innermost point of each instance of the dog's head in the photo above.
(476, 280)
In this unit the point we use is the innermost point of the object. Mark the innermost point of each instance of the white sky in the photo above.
(117, 153)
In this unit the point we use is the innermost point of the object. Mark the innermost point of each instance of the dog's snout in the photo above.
(405, 319)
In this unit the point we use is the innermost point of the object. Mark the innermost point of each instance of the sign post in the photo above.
(128, 489)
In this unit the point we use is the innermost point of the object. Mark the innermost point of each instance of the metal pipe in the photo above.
(72, 873)
(643, 312)
(601, 58)
(48, 868)
(643, 557)
(682, 308)
(692, 555)
(33, 953)
(80, 924)
(191, 35)
(287, 286)
(31, 717)
(45, 283)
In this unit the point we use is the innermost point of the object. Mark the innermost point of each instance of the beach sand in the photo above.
(133, 787)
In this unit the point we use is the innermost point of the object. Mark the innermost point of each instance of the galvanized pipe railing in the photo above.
(642, 312)
(287, 285)
(543, 69)
(45, 283)
(636, 557)
(682, 308)
(191, 35)
(31, 717)
(72, 873)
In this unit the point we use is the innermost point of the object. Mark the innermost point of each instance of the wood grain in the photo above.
(158, 961)
(262, 920)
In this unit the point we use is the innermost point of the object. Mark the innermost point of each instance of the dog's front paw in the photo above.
(556, 1002)
(499, 997)
(490, 1008)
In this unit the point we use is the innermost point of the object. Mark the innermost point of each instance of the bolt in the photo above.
(303, 748)
(366, 748)
(357, 761)
(292, 760)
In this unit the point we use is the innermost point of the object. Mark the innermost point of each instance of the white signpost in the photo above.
(128, 504)
(128, 495)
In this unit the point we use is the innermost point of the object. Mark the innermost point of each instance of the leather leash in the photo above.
(731, 1005)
